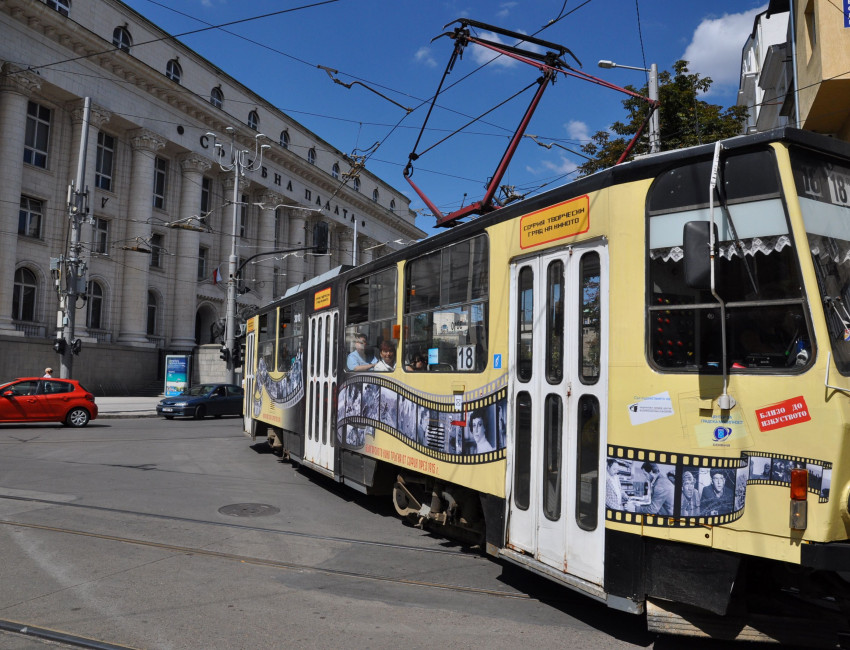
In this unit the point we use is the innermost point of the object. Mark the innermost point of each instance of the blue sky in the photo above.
(386, 44)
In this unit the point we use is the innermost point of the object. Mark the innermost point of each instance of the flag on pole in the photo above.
(217, 279)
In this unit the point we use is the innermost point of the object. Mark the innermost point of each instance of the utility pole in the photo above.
(72, 270)
(240, 163)
(652, 87)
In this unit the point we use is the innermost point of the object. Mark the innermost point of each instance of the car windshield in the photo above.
(201, 389)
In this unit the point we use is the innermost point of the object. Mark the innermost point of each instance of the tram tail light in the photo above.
(799, 505)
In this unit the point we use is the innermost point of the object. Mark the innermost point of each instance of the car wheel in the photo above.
(168, 417)
(200, 412)
(77, 417)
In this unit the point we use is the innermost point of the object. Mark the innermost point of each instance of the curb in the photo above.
(126, 414)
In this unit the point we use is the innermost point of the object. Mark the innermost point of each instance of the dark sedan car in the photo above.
(44, 399)
(202, 400)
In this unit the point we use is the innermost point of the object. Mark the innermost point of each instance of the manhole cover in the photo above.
(249, 510)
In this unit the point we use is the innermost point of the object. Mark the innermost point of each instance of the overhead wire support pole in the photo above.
(74, 275)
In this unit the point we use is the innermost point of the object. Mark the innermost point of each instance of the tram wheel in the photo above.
(402, 502)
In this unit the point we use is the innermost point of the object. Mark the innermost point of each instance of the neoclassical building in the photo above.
(161, 216)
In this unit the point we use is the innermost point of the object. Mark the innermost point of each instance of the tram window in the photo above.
(370, 312)
(525, 323)
(522, 452)
(334, 343)
(555, 322)
(552, 454)
(587, 463)
(590, 347)
(314, 350)
(325, 413)
(290, 335)
(446, 308)
(331, 436)
(265, 338)
(757, 273)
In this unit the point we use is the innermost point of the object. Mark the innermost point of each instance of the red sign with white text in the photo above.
(783, 414)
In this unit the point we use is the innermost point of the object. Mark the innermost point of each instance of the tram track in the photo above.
(273, 564)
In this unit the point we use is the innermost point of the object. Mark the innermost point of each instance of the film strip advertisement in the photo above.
(654, 488)
(429, 424)
(283, 392)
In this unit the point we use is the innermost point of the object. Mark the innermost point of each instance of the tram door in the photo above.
(248, 386)
(321, 388)
(558, 389)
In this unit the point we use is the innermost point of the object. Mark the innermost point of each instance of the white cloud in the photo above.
(577, 130)
(482, 55)
(505, 9)
(423, 55)
(715, 48)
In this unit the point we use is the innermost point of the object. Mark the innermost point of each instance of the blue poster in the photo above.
(176, 374)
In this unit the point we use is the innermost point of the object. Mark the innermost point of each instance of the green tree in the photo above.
(685, 120)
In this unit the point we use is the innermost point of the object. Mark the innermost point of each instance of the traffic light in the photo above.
(224, 353)
(237, 356)
(76, 346)
(59, 346)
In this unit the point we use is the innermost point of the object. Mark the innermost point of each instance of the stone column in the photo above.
(295, 263)
(366, 253)
(264, 269)
(345, 239)
(134, 289)
(97, 118)
(15, 88)
(193, 167)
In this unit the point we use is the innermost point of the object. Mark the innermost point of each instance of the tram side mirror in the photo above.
(696, 241)
(320, 238)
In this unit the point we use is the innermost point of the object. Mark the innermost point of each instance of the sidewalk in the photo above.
(127, 407)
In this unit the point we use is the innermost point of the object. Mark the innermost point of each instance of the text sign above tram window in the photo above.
(322, 299)
(555, 222)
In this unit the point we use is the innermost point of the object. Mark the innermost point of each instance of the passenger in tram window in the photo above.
(357, 358)
(661, 490)
(417, 364)
(387, 362)
(478, 433)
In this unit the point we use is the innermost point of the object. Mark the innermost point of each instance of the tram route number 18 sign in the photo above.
(561, 220)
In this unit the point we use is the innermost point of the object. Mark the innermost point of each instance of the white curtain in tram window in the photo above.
(728, 250)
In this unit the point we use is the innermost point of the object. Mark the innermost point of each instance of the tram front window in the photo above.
(823, 188)
(756, 270)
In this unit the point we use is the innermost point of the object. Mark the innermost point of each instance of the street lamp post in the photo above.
(654, 124)
(239, 165)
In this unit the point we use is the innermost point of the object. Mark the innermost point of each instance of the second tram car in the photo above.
(637, 384)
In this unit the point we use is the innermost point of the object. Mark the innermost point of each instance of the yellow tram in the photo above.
(637, 384)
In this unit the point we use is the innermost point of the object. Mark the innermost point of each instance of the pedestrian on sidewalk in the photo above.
(48, 373)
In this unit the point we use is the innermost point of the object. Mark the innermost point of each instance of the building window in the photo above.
(24, 295)
(100, 244)
(160, 176)
(30, 217)
(173, 71)
(94, 308)
(152, 309)
(105, 161)
(335, 170)
(254, 120)
(121, 39)
(203, 256)
(311, 156)
(375, 195)
(37, 134)
(284, 139)
(156, 250)
(243, 217)
(206, 191)
(216, 97)
(356, 183)
(62, 6)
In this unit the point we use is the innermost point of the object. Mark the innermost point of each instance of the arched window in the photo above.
(311, 156)
(121, 39)
(24, 295)
(375, 195)
(216, 97)
(392, 204)
(284, 139)
(152, 308)
(254, 120)
(173, 70)
(335, 170)
(356, 183)
(62, 6)
(94, 308)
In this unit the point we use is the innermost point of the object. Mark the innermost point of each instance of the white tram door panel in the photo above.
(248, 387)
(557, 390)
(319, 440)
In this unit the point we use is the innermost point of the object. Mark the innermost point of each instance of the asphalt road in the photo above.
(144, 533)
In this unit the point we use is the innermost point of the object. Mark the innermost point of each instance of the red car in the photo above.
(42, 399)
